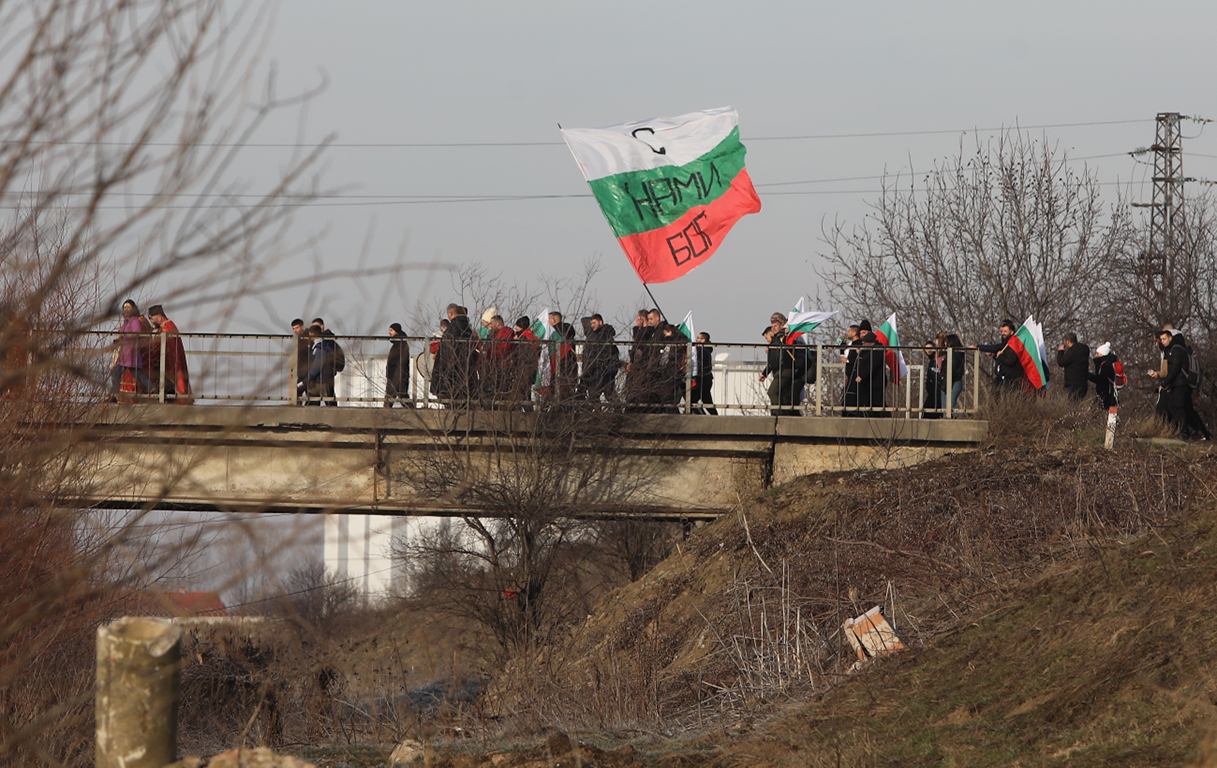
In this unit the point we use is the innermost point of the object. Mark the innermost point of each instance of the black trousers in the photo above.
(703, 395)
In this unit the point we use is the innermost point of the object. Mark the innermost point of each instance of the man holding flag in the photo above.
(1020, 361)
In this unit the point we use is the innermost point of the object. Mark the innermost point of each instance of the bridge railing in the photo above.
(270, 368)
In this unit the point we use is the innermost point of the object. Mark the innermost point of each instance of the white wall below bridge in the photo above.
(359, 548)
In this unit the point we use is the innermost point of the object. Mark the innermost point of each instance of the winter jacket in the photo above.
(1073, 360)
(397, 371)
(600, 351)
(1104, 378)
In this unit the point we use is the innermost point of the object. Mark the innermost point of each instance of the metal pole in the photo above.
(976, 381)
(819, 378)
(908, 396)
(689, 378)
(950, 379)
(293, 372)
(164, 346)
(138, 662)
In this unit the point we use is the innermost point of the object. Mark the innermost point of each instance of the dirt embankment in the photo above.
(1054, 604)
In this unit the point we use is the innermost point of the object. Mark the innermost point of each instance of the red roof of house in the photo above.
(177, 603)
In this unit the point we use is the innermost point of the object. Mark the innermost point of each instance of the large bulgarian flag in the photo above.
(1028, 342)
(889, 336)
(671, 188)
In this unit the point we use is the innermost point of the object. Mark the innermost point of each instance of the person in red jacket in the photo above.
(495, 360)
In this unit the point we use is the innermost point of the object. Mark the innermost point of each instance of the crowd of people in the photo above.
(496, 365)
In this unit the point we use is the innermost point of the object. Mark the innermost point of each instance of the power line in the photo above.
(478, 144)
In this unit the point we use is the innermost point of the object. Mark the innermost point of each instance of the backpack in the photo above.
(1193, 373)
(340, 358)
(1119, 380)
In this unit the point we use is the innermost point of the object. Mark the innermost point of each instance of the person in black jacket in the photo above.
(870, 375)
(1104, 376)
(1174, 387)
(703, 377)
(788, 364)
(321, 368)
(601, 360)
(1008, 373)
(454, 373)
(673, 366)
(954, 366)
(642, 386)
(935, 377)
(397, 370)
(1072, 355)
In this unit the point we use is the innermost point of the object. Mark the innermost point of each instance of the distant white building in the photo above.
(360, 548)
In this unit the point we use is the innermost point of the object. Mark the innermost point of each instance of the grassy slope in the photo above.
(1109, 662)
(1041, 632)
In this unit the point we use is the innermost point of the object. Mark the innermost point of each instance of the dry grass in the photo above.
(747, 614)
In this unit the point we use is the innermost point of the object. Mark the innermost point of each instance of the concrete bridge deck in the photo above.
(444, 462)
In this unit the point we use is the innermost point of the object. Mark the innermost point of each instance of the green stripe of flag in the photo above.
(640, 201)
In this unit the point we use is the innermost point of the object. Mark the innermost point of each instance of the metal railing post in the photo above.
(164, 347)
(976, 381)
(689, 378)
(908, 393)
(950, 380)
(819, 379)
(293, 372)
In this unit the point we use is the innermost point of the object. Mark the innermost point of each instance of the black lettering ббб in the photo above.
(684, 242)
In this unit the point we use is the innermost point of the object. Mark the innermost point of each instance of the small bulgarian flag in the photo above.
(686, 327)
(671, 188)
(543, 330)
(889, 336)
(1028, 343)
(799, 306)
(801, 324)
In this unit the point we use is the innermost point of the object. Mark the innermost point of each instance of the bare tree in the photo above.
(316, 598)
(121, 123)
(1011, 230)
(520, 558)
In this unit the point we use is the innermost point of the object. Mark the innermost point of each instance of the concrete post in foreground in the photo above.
(138, 660)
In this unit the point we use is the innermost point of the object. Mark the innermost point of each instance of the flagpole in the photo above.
(652, 300)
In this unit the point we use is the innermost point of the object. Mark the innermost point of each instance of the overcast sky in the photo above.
(503, 75)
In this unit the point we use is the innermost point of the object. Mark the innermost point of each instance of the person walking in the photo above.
(1176, 386)
(952, 369)
(1008, 375)
(601, 361)
(703, 379)
(127, 377)
(454, 374)
(321, 368)
(397, 369)
(1072, 356)
(177, 375)
(788, 366)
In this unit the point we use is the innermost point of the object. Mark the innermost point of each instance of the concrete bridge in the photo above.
(429, 462)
